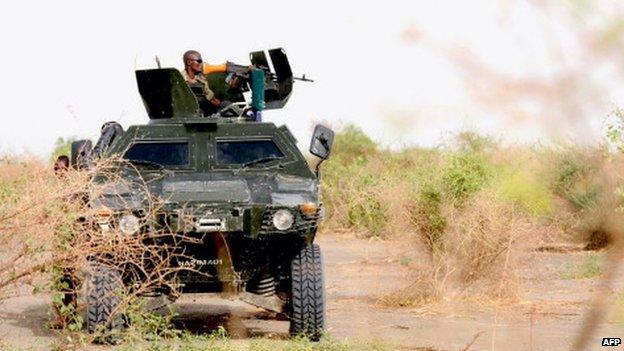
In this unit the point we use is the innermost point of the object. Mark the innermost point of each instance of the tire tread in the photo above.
(308, 293)
(103, 300)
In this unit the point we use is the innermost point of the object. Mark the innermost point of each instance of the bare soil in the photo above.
(358, 272)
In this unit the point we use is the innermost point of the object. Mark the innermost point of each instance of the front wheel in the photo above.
(103, 300)
(308, 293)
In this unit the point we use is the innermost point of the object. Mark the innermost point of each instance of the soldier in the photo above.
(228, 87)
(194, 73)
(61, 166)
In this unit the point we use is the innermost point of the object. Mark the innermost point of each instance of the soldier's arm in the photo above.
(210, 96)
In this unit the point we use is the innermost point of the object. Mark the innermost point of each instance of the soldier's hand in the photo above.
(215, 101)
(235, 82)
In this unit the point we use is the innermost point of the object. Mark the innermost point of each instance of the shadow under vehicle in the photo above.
(239, 190)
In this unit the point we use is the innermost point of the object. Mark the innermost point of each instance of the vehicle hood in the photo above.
(183, 190)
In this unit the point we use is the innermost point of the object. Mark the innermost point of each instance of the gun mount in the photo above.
(166, 95)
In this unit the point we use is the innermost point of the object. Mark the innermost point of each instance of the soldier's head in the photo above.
(192, 61)
(61, 165)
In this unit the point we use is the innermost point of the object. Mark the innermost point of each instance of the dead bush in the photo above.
(427, 285)
(51, 234)
(477, 251)
(485, 239)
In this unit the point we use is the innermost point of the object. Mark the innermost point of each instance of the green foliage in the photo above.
(615, 130)
(526, 190)
(468, 141)
(466, 173)
(584, 198)
(69, 318)
(182, 340)
(218, 341)
(368, 213)
(351, 145)
(6, 191)
(568, 171)
(350, 185)
(428, 218)
(377, 192)
(575, 180)
(68, 315)
(147, 325)
(62, 146)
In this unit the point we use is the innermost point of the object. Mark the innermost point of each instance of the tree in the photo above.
(62, 146)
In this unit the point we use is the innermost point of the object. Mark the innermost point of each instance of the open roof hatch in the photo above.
(279, 84)
(165, 94)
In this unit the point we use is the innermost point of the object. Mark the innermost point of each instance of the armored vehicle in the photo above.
(239, 188)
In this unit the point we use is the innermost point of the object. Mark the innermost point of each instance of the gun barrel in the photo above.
(243, 71)
(304, 79)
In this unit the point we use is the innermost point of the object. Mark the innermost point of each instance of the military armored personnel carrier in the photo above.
(241, 189)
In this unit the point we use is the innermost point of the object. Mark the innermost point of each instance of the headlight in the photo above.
(283, 219)
(129, 224)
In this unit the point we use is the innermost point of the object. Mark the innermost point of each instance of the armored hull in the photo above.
(228, 203)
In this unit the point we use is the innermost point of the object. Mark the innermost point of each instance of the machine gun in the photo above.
(261, 81)
(243, 72)
(277, 85)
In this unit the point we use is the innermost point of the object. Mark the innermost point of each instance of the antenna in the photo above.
(157, 61)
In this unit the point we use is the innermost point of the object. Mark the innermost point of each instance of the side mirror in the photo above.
(80, 151)
(322, 141)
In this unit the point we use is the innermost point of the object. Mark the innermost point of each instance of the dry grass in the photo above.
(474, 205)
(426, 286)
(478, 254)
(485, 238)
(32, 207)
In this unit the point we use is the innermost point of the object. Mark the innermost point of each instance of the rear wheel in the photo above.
(308, 293)
(103, 299)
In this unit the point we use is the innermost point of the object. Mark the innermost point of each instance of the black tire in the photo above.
(308, 293)
(103, 298)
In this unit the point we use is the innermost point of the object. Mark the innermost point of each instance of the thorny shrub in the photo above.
(428, 219)
(478, 252)
(484, 240)
(50, 238)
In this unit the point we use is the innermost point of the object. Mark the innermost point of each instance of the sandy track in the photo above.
(357, 273)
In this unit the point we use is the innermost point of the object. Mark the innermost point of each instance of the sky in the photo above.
(67, 66)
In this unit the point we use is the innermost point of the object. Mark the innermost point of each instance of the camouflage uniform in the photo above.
(199, 86)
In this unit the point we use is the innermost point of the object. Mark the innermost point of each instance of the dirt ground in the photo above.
(358, 271)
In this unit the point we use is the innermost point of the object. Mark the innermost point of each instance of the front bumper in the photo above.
(252, 221)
